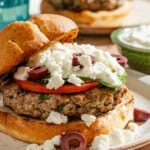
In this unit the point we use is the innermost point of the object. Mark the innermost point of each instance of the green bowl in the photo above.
(138, 58)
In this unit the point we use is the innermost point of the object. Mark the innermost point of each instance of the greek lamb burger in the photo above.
(90, 13)
(64, 90)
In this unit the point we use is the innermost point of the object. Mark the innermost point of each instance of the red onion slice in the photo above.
(37, 72)
(73, 141)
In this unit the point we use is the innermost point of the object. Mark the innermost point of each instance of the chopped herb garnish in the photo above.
(44, 97)
(116, 92)
(61, 107)
(11, 97)
(71, 108)
(78, 106)
(107, 103)
(85, 79)
(97, 110)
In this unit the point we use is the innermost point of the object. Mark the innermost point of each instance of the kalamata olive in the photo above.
(75, 61)
(121, 59)
(37, 72)
(73, 141)
(93, 59)
(141, 115)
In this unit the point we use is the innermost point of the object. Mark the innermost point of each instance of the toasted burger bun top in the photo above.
(56, 27)
(19, 40)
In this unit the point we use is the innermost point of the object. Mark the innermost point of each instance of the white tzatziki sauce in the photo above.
(138, 37)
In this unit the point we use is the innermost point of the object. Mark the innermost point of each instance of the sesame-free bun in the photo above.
(101, 19)
(20, 39)
(56, 27)
(36, 131)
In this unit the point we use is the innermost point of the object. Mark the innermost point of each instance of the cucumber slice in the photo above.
(121, 79)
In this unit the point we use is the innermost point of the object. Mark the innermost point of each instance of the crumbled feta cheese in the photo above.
(50, 144)
(56, 118)
(40, 58)
(47, 145)
(75, 80)
(88, 70)
(88, 119)
(116, 137)
(53, 67)
(85, 60)
(55, 81)
(67, 68)
(100, 143)
(132, 126)
(33, 147)
(22, 73)
(58, 60)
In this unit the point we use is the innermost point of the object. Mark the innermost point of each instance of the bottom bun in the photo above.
(35, 131)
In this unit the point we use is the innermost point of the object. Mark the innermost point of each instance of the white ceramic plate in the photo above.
(139, 83)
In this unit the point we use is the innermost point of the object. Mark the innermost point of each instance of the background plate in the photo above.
(136, 17)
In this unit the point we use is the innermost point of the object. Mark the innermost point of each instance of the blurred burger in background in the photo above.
(92, 13)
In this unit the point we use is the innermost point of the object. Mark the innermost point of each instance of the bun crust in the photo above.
(55, 27)
(104, 19)
(19, 40)
(36, 131)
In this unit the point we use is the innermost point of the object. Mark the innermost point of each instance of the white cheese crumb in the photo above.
(75, 80)
(100, 143)
(55, 81)
(85, 60)
(132, 126)
(22, 73)
(33, 147)
(56, 118)
(88, 119)
(40, 58)
(47, 145)
(116, 137)
(58, 60)
(50, 144)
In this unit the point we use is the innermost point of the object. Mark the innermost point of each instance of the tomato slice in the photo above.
(36, 87)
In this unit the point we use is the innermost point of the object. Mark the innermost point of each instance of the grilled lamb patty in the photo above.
(95, 101)
(93, 5)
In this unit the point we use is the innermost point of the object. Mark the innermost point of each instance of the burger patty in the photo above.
(95, 101)
(93, 5)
